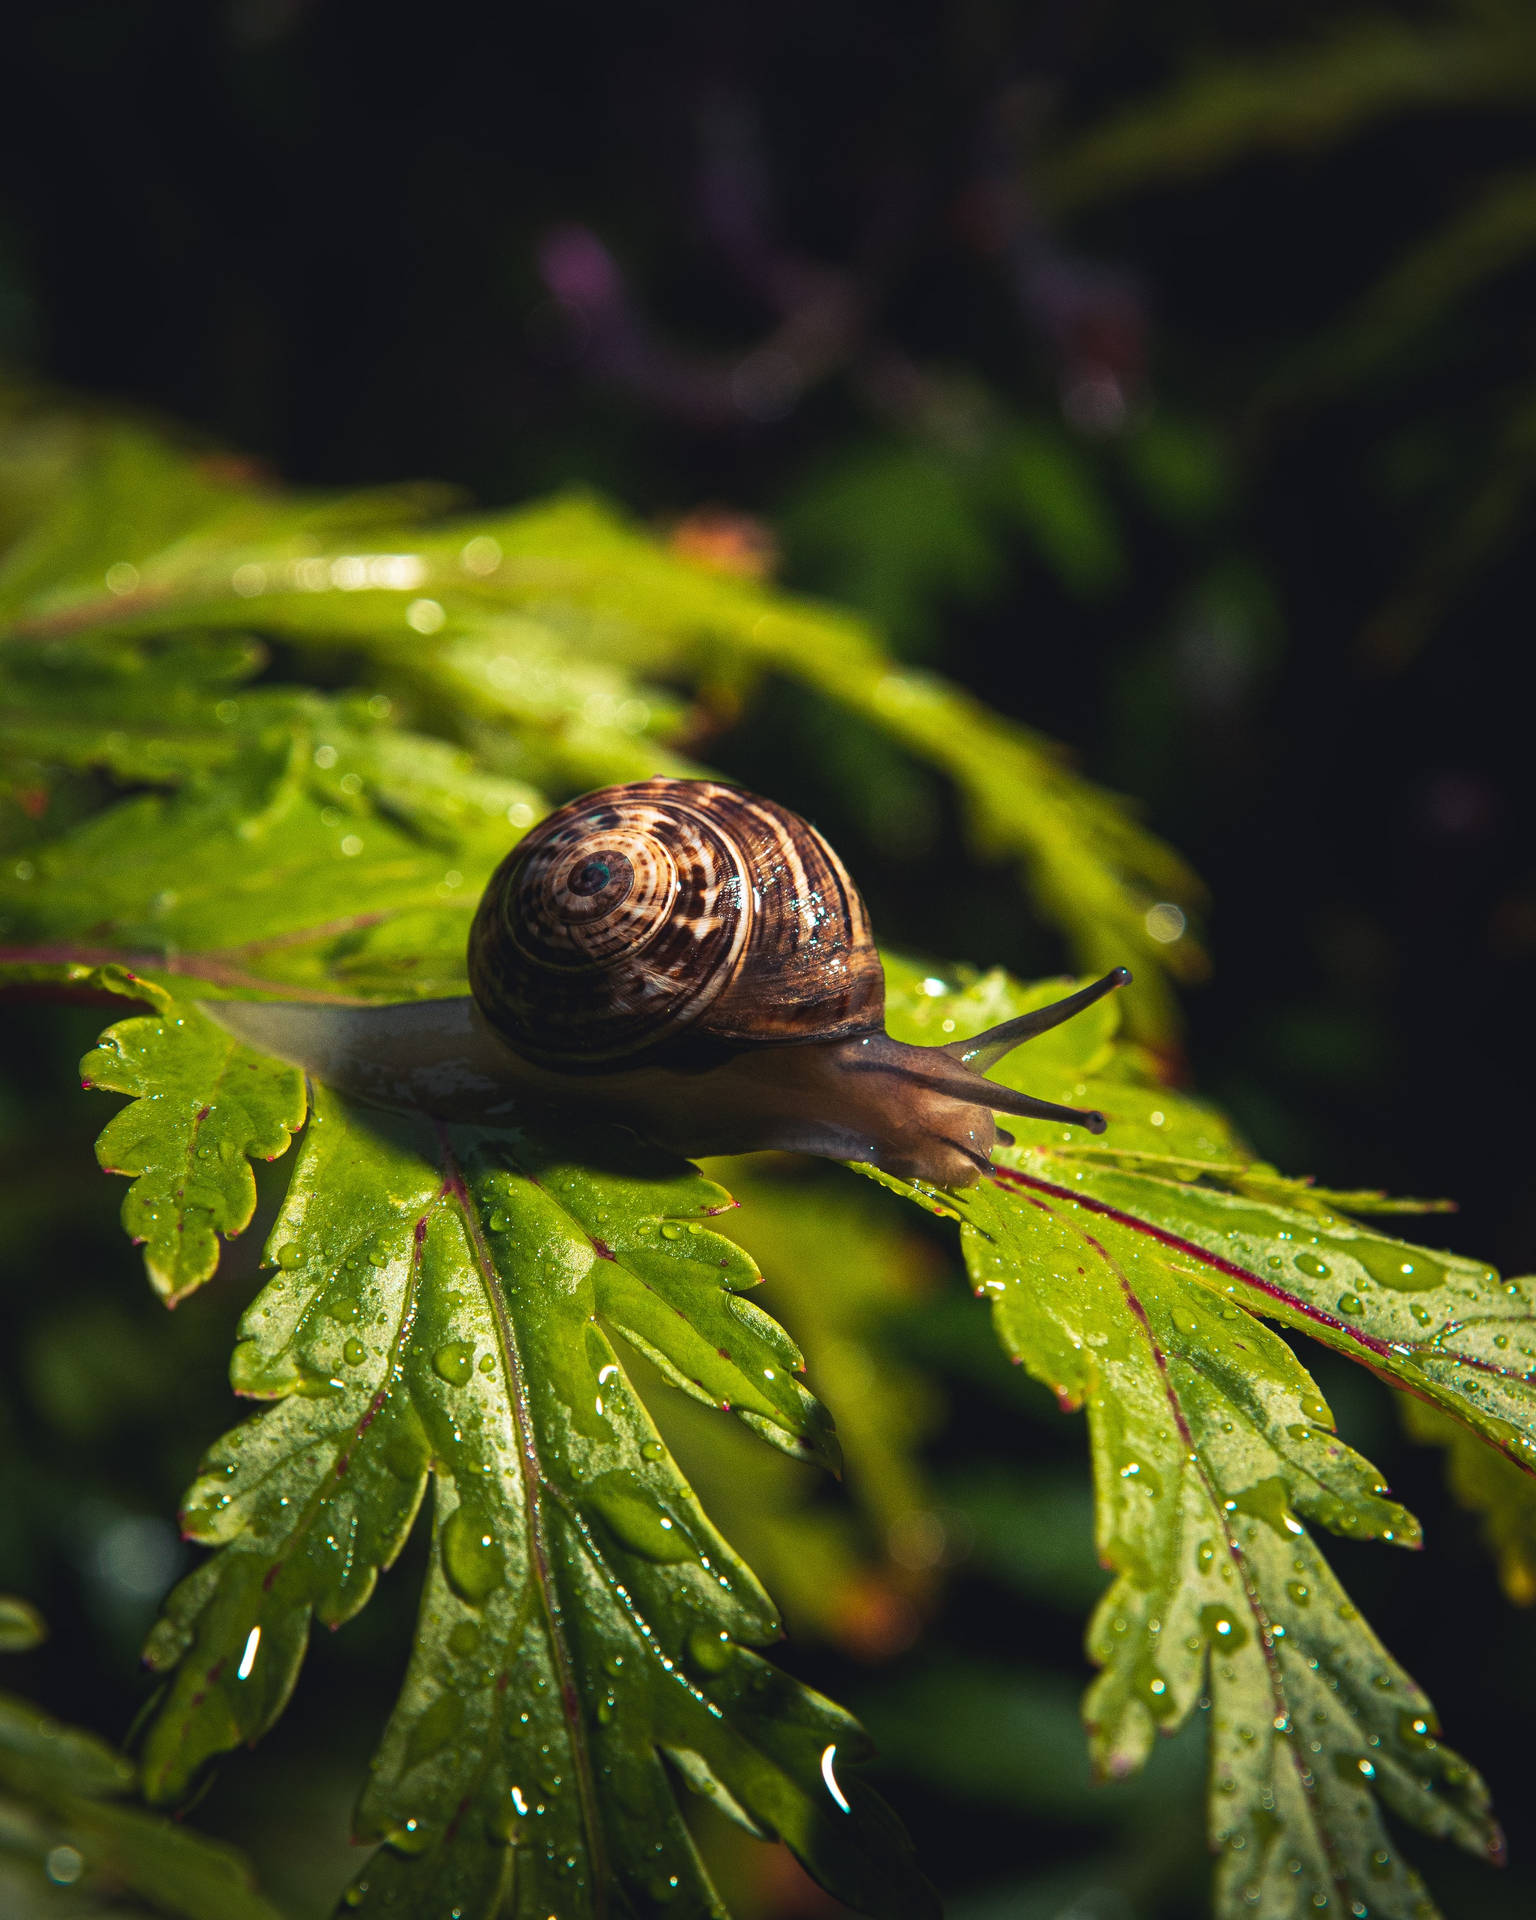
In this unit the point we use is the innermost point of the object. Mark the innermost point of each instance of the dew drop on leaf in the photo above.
(710, 1652)
(354, 1353)
(635, 1519)
(1399, 1269)
(1219, 1627)
(1309, 1264)
(1351, 1303)
(454, 1361)
(472, 1558)
(1414, 1730)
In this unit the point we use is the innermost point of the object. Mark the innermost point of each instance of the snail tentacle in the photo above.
(983, 1050)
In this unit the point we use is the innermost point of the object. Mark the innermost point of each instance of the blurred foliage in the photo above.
(67, 1843)
(1313, 91)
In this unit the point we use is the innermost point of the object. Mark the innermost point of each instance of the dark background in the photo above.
(363, 244)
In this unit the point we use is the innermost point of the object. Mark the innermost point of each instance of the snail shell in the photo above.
(693, 963)
(671, 922)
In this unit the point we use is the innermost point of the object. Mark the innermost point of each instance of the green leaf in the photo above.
(60, 1790)
(454, 1304)
(840, 1266)
(203, 1107)
(1487, 1484)
(319, 859)
(1295, 98)
(21, 1625)
(539, 637)
(1125, 1276)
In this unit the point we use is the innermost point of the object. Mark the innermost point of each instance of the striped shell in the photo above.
(671, 921)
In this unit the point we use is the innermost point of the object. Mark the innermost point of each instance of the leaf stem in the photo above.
(533, 1491)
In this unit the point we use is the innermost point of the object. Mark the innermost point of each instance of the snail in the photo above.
(695, 963)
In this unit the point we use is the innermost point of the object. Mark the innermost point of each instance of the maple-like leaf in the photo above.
(1127, 1277)
(203, 1107)
(455, 1304)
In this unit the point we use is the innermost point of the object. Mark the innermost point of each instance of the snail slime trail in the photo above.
(692, 962)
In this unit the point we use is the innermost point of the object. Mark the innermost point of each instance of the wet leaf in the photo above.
(455, 1306)
(203, 1107)
(66, 1827)
(1125, 1274)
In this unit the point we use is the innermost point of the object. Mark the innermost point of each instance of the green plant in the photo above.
(262, 744)
(1433, 305)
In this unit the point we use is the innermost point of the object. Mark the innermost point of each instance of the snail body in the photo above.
(694, 963)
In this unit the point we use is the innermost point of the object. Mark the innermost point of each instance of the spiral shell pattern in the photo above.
(671, 922)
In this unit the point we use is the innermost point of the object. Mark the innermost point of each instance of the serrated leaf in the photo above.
(447, 1305)
(278, 872)
(839, 1265)
(1115, 1273)
(203, 1106)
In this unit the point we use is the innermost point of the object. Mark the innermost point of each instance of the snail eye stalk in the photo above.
(983, 1050)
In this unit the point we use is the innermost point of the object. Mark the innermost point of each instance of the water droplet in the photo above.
(652, 1450)
(499, 1222)
(1299, 1593)
(411, 1836)
(635, 1517)
(1404, 1269)
(354, 1353)
(472, 1558)
(1221, 1628)
(454, 1361)
(464, 1638)
(671, 1232)
(1351, 1303)
(289, 1254)
(1309, 1264)
(1268, 1500)
(487, 1363)
(434, 1727)
(1205, 1553)
(710, 1652)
